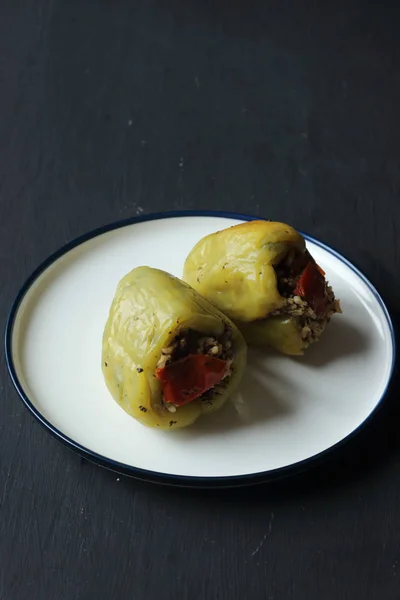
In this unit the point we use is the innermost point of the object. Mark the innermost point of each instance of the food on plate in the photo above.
(169, 356)
(262, 276)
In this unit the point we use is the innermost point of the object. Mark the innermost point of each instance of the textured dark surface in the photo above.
(285, 109)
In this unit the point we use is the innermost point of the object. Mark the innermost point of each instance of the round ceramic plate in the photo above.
(291, 409)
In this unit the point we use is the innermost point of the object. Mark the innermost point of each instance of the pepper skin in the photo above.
(281, 333)
(149, 309)
(234, 269)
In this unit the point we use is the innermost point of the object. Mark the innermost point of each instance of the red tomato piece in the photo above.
(188, 378)
(311, 286)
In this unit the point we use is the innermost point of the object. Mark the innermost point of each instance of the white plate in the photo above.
(293, 410)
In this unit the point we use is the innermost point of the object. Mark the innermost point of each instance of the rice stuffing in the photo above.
(311, 324)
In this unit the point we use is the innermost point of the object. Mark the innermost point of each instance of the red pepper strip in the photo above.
(188, 378)
(311, 286)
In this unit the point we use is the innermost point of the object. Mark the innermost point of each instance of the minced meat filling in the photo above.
(189, 341)
(287, 273)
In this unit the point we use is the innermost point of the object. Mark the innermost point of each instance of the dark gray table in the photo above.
(289, 110)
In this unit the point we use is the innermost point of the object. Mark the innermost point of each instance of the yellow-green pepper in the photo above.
(234, 269)
(149, 309)
(282, 333)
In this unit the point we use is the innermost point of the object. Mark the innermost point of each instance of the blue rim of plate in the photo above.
(167, 478)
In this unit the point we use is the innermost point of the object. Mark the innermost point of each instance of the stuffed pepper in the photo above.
(169, 356)
(262, 276)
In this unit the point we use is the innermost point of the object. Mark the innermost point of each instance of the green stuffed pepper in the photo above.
(261, 275)
(169, 356)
